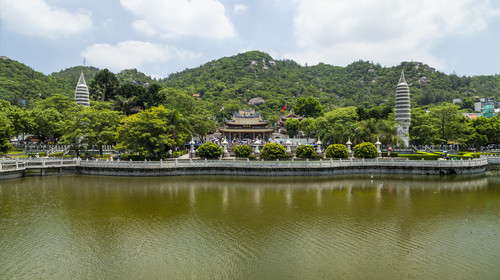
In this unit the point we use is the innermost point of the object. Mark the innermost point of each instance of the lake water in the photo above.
(214, 227)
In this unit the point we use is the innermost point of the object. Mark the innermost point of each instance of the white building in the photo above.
(82, 92)
(403, 113)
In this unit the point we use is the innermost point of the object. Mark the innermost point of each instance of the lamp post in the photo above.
(378, 144)
(225, 153)
(288, 146)
(349, 151)
(191, 152)
(257, 151)
(318, 147)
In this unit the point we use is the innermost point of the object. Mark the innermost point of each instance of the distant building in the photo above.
(471, 116)
(403, 114)
(247, 124)
(82, 92)
(483, 102)
(457, 100)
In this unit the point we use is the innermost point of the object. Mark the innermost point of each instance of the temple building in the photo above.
(246, 125)
(289, 116)
(403, 114)
(82, 92)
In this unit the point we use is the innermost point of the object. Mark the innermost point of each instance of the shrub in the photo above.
(337, 151)
(242, 151)
(178, 153)
(133, 157)
(420, 156)
(60, 154)
(365, 150)
(209, 150)
(41, 154)
(272, 151)
(305, 151)
(252, 157)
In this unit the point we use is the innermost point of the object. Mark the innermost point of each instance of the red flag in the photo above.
(283, 108)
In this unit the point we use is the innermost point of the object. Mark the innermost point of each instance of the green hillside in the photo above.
(255, 74)
(237, 79)
(21, 85)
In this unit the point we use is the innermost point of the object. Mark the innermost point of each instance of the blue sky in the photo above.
(160, 37)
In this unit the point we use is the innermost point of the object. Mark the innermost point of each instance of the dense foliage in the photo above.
(355, 102)
(292, 127)
(365, 150)
(337, 151)
(209, 150)
(242, 151)
(272, 151)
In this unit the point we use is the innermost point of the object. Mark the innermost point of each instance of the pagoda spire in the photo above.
(81, 81)
(402, 79)
(82, 92)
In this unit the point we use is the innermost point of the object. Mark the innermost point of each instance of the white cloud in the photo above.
(239, 8)
(133, 54)
(37, 18)
(385, 31)
(174, 18)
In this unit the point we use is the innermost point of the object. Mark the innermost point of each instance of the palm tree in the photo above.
(127, 105)
(178, 126)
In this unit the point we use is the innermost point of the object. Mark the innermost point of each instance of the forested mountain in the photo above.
(237, 79)
(20, 84)
(255, 74)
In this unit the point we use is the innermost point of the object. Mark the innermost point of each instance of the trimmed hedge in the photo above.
(305, 151)
(209, 150)
(337, 151)
(60, 154)
(426, 156)
(365, 150)
(242, 151)
(272, 151)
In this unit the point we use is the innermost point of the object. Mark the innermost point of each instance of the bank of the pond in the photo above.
(46, 167)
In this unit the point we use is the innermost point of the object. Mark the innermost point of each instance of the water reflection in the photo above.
(250, 228)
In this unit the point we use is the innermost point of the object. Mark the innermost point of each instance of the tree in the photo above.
(6, 132)
(178, 127)
(126, 105)
(422, 130)
(152, 96)
(292, 127)
(337, 151)
(91, 127)
(337, 125)
(365, 150)
(103, 86)
(308, 126)
(209, 150)
(487, 127)
(305, 151)
(308, 107)
(146, 132)
(18, 117)
(450, 123)
(202, 124)
(272, 151)
(46, 123)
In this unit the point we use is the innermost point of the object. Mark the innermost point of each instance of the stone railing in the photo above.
(21, 164)
(287, 163)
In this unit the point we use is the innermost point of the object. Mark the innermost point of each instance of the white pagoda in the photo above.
(82, 92)
(403, 114)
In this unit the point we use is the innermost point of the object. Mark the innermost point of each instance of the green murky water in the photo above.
(77, 227)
